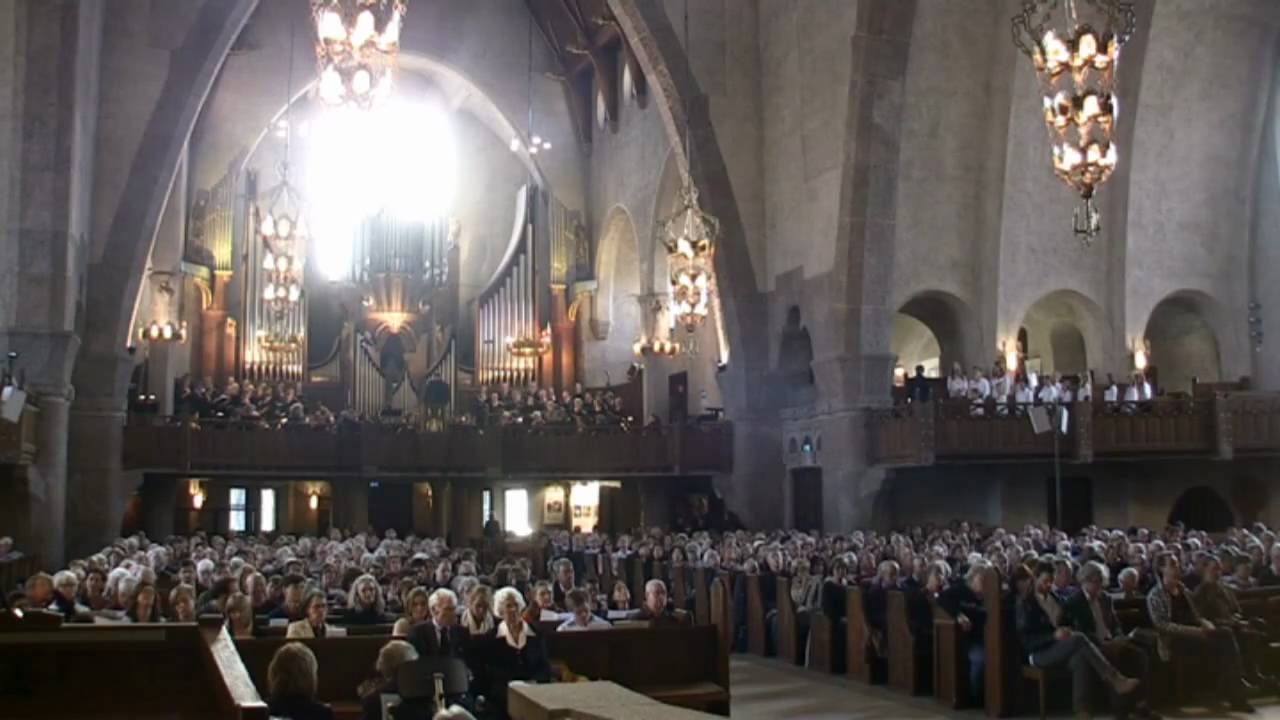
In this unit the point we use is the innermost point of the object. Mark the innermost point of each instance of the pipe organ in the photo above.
(373, 393)
(275, 325)
(510, 325)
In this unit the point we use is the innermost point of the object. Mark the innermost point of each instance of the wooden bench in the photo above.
(15, 572)
(827, 632)
(702, 597)
(344, 663)
(695, 675)
(861, 659)
(757, 635)
(790, 640)
(950, 661)
(680, 587)
(909, 670)
(136, 671)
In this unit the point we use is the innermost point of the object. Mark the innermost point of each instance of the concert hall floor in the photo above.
(766, 689)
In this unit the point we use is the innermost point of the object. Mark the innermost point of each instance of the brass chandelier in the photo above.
(530, 347)
(356, 46)
(689, 236)
(1075, 48)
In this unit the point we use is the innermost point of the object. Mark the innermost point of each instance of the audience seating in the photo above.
(950, 661)
(827, 632)
(14, 572)
(790, 641)
(909, 671)
(757, 634)
(702, 597)
(344, 663)
(133, 671)
(861, 659)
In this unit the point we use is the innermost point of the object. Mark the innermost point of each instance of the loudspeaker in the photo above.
(12, 400)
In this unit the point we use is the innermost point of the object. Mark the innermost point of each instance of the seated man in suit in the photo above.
(963, 601)
(564, 582)
(1049, 642)
(1180, 629)
(1090, 612)
(441, 637)
(656, 610)
(1217, 603)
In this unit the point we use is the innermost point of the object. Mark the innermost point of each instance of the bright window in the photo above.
(238, 514)
(516, 512)
(267, 511)
(486, 504)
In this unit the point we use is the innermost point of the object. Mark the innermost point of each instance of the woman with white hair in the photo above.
(515, 652)
(365, 603)
(387, 668)
(65, 585)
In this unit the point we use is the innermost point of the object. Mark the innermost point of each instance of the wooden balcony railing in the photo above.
(457, 450)
(1219, 427)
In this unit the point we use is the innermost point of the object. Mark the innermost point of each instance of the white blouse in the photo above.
(517, 640)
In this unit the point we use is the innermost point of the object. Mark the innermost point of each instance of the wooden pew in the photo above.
(635, 576)
(695, 677)
(680, 587)
(1002, 660)
(702, 597)
(658, 571)
(137, 671)
(908, 671)
(757, 639)
(860, 656)
(827, 632)
(15, 572)
(950, 660)
(720, 613)
(343, 662)
(790, 645)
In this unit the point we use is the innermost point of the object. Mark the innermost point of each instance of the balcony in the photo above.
(1218, 427)
(457, 451)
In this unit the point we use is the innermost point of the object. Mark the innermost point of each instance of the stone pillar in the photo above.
(33, 503)
(564, 340)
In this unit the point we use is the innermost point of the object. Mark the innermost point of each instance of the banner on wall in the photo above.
(553, 506)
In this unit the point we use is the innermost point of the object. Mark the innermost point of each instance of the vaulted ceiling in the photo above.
(592, 54)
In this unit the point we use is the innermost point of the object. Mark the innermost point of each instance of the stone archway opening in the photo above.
(1202, 508)
(1184, 347)
(1062, 333)
(618, 314)
(934, 329)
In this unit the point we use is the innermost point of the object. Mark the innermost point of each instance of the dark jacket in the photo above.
(669, 617)
(1035, 629)
(1080, 616)
(364, 616)
(299, 708)
(425, 638)
(959, 599)
(503, 663)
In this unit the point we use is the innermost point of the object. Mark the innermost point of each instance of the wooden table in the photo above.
(601, 700)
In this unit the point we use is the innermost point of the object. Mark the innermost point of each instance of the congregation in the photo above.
(491, 610)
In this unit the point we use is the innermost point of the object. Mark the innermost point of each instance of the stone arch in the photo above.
(617, 305)
(1064, 332)
(935, 325)
(682, 103)
(1183, 343)
(1202, 508)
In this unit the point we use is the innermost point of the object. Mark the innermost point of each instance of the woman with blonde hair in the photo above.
(416, 610)
(291, 683)
(365, 603)
(477, 616)
(239, 615)
(143, 607)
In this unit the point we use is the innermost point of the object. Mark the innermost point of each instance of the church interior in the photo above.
(815, 358)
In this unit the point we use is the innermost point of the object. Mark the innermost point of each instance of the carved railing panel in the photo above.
(1254, 421)
(1162, 427)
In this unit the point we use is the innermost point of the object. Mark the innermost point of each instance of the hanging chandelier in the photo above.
(1075, 47)
(689, 236)
(530, 347)
(647, 347)
(356, 46)
(165, 331)
(283, 232)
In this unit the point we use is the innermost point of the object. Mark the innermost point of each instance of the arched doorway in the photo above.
(1063, 332)
(1183, 343)
(935, 329)
(1202, 508)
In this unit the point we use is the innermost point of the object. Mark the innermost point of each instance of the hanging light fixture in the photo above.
(529, 347)
(689, 236)
(165, 329)
(1075, 47)
(536, 143)
(357, 42)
